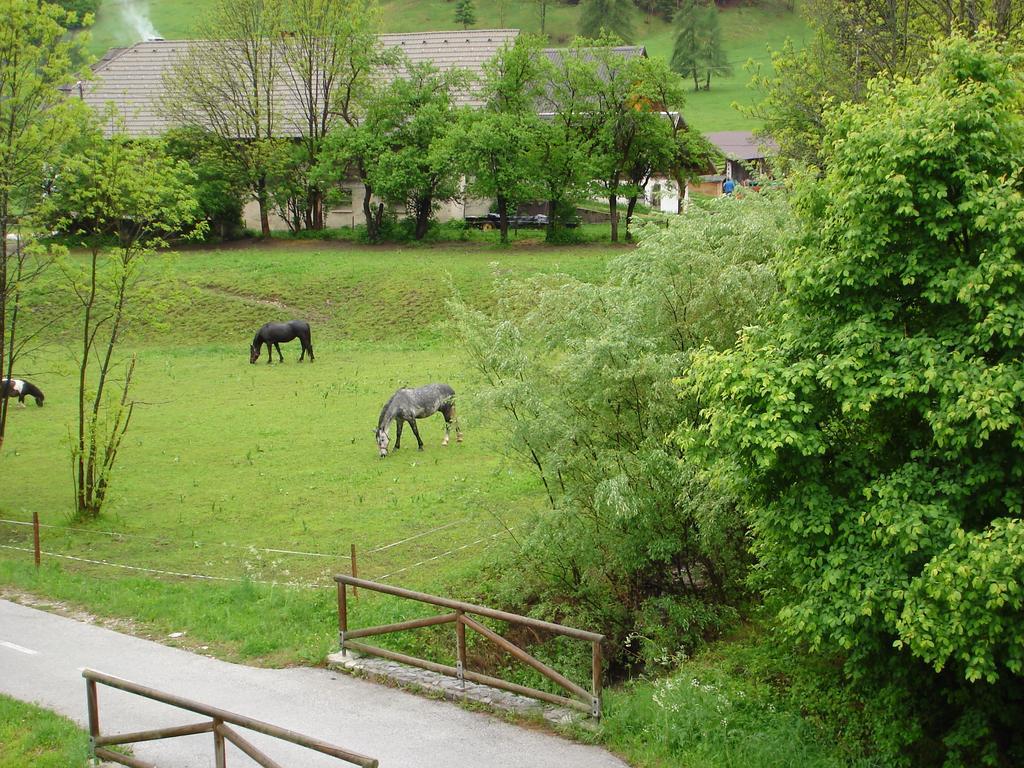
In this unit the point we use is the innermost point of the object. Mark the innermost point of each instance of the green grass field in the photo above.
(748, 32)
(226, 461)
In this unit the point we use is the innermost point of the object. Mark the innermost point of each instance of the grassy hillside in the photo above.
(748, 32)
(282, 456)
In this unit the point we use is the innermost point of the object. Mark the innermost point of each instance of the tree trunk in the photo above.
(261, 199)
(422, 208)
(707, 80)
(552, 220)
(680, 189)
(613, 203)
(372, 225)
(696, 81)
(630, 205)
(4, 402)
(503, 217)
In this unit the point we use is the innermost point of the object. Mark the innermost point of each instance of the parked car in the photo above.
(493, 221)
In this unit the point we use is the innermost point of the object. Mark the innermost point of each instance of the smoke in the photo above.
(138, 19)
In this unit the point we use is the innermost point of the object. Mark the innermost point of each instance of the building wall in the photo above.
(351, 214)
(662, 194)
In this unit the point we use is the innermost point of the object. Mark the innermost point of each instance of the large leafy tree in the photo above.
(418, 167)
(626, 113)
(877, 423)
(331, 52)
(493, 144)
(37, 59)
(230, 85)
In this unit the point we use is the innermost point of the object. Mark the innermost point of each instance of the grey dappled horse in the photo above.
(20, 388)
(407, 405)
(275, 333)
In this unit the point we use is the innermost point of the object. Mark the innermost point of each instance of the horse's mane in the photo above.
(384, 410)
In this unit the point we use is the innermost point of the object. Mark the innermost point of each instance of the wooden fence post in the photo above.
(35, 536)
(355, 574)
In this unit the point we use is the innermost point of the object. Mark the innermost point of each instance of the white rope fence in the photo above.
(181, 574)
(169, 573)
(247, 547)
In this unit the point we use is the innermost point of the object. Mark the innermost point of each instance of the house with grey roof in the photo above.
(132, 80)
(130, 83)
(745, 155)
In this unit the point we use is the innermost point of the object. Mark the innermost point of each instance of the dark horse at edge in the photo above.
(275, 333)
(20, 388)
(407, 405)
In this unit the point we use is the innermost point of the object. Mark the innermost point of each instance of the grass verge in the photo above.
(31, 736)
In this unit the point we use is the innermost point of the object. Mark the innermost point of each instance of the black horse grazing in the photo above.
(274, 333)
(20, 387)
(407, 405)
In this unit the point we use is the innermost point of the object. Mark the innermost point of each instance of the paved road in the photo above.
(42, 655)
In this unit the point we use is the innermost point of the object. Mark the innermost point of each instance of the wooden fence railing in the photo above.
(584, 700)
(218, 725)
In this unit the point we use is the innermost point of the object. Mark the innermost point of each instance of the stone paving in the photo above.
(434, 683)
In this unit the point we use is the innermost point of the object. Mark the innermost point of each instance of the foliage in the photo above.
(698, 43)
(465, 13)
(36, 122)
(493, 146)
(582, 374)
(133, 192)
(614, 17)
(219, 188)
(84, 10)
(875, 422)
(228, 85)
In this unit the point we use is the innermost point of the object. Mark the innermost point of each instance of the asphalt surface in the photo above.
(42, 656)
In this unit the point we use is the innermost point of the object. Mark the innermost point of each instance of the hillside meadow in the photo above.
(748, 32)
(242, 488)
(225, 460)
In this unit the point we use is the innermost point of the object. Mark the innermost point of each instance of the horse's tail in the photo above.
(36, 392)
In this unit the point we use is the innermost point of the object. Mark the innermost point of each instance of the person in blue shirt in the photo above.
(728, 186)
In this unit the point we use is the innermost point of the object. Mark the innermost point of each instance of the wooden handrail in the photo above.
(479, 610)
(585, 700)
(218, 718)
